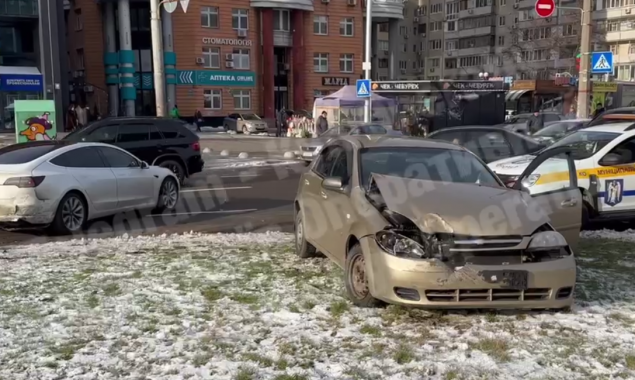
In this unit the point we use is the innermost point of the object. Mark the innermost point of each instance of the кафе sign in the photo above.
(226, 41)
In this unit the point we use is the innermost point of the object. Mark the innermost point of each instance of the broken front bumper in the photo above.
(431, 283)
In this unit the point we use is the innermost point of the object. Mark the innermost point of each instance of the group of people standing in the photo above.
(79, 116)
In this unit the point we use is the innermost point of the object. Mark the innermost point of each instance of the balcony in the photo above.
(613, 13)
(480, 11)
(622, 35)
(302, 5)
(386, 9)
(482, 31)
(18, 8)
(282, 38)
(481, 50)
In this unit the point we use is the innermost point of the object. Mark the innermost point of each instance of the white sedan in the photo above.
(63, 185)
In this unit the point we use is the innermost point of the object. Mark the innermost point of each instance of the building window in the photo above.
(281, 20)
(321, 62)
(321, 25)
(435, 45)
(347, 27)
(346, 63)
(451, 45)
(382, 45)
(569, 30)
(211, 58)
(79, 21)
(434, 62)
(501, 40)
(501, 21)
(242, 100)
(383, 27)
(436, 26)
(436, 8)
(450, 26)
(80, 59)
(209, 17)
(403, 65)
(241, 59)
(240, 19)
(212, 99)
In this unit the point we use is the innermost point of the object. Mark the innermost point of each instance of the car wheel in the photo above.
(245, 130)
(71, 215)
(168, 195)
(586, 216)
(356, 280)
(175, 168)
(303, 248)
(226, 128)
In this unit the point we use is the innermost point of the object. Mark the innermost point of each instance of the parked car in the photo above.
(489, 143)
(63, 185)
(245, 123)
(616, 115)
(404, 217)
(555, 130)
(311, 148)
(519, 123)
(163, 142)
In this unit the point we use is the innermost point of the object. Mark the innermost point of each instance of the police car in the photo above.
(599, 160)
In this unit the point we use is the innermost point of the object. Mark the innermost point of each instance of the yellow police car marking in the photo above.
(601, 172)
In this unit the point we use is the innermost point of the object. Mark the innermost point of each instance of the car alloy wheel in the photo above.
(358, 279)
(175, 168)
(299, 235)
(73, 214)
(245, 130)
(169, 194)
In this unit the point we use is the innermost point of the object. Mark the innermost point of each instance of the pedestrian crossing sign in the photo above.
(363, 88)
(602, 62)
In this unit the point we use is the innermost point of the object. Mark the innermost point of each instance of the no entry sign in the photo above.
(545, 8)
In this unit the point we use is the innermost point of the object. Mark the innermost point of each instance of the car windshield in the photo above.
(23, 153)
(555, 130)
(431, 164)
(584, 143)
(249, 116)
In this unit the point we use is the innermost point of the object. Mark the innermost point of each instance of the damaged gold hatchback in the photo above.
(425, 223)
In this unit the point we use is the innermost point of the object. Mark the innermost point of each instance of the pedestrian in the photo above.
(282, 115)
(198, 120)
(71, 118)
(175, 112)
(536, 123)
(322, 124)
(599, 109)
(82, 115)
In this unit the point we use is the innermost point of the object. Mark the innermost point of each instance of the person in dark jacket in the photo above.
(599, 109)
(536, 123)
(322, 125)
(198, 120)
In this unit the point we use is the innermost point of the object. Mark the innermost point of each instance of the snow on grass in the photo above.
(247, 163)
(242, 307)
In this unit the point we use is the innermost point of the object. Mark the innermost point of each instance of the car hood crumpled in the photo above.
(461, 209)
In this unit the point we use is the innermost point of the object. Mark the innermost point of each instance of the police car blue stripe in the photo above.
(628, 193)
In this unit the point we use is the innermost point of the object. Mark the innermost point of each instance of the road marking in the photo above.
(206, 212)
(215, 189)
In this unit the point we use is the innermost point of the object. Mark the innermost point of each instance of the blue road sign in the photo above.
(363, 88)
(602, 62)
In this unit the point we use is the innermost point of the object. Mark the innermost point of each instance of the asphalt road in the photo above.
(216, 200)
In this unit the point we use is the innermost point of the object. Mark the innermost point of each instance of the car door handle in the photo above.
(306, 182)
(569, 203)
(323, 194)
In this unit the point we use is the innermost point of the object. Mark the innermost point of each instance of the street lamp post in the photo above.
(367, 64)
(157, 48)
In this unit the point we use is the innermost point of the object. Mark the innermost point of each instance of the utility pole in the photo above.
(157, 57)
(584, 83)
(367, 65)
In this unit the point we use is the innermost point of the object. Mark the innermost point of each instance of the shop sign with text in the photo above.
(226, 41)
(335, 81)
(216, 78)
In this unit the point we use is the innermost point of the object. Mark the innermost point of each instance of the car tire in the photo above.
(245, 130)
(168, 195)
(356, 281)
(303, 248)
(71, 215)
(586, 216)
(176, 168)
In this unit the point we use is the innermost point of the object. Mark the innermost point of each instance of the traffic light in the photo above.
(577, 61)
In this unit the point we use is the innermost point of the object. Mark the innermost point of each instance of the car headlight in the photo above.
(531, 180)
(547, 240)
(399, 245)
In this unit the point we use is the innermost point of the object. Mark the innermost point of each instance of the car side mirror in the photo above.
(144, 165)
(332, 183)
(611, 159)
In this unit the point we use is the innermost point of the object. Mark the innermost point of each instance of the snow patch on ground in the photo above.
(247, 163)
(627, 235)
(243, 306)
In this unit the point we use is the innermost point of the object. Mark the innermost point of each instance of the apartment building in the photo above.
(461, 39)
(220, 57)
(30, 66)
(615, 22)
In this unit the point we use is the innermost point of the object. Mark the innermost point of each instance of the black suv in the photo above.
(158, 141)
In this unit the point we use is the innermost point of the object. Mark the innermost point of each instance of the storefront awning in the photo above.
(513, 95)
(20, 79)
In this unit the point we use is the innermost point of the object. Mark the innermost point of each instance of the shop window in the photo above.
(212, 99)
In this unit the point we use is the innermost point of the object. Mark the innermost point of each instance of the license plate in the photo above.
(507, 279)
(307, 154)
